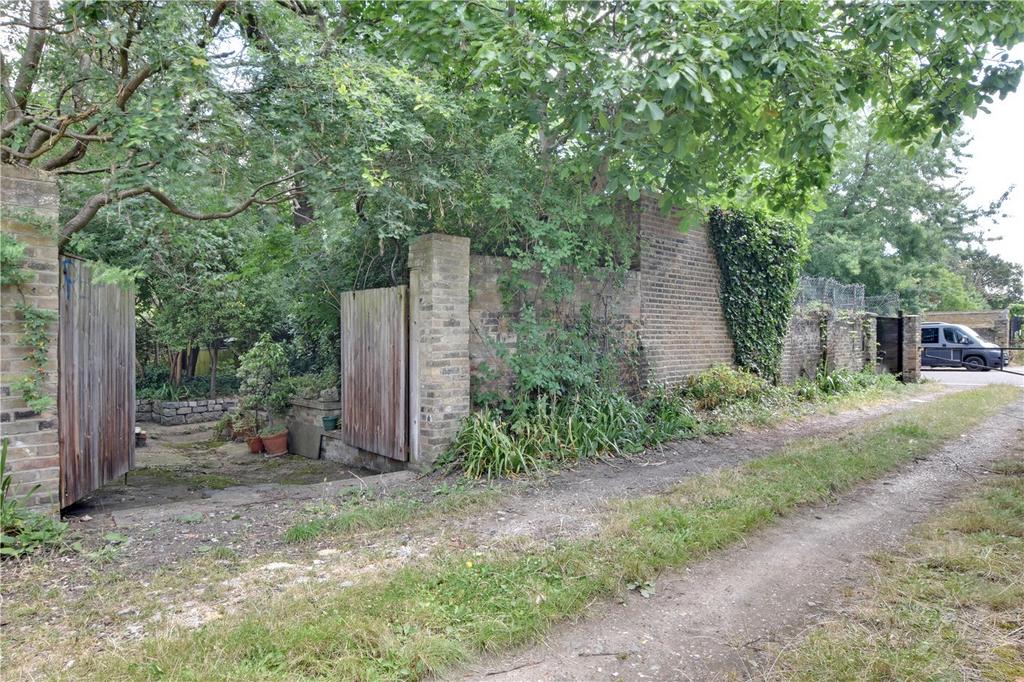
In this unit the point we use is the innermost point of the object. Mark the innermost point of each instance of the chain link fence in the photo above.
(835, 296)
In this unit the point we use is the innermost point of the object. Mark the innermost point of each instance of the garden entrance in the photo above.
(375, 371)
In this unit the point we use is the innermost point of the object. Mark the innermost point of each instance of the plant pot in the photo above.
(330, 423)
(276, 444)
(255, 444)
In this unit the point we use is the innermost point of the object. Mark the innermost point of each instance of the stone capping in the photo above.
(317, 404)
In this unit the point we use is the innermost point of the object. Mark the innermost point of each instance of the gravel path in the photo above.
(724, 618)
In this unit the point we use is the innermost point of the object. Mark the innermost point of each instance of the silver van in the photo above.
(954, 345)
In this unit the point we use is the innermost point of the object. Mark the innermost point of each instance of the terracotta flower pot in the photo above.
(276, 444)
(255, 444)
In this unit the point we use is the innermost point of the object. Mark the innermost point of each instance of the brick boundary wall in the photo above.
(34, 453)
(613, 299)
(683, 327)
(992, 325)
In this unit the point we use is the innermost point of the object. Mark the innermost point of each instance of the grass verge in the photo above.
(950, 606)
(423, 619)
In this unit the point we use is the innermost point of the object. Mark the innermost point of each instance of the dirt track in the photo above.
(725, 618)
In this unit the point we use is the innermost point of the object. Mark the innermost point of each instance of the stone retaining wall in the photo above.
(173, 412)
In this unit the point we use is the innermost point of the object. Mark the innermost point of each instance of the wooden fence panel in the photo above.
(96, 384)
(374, 370)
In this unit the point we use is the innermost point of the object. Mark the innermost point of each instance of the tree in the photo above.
(998, 280)
(898, 219)
(213, 109)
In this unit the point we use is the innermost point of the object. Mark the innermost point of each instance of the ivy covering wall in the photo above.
(759, 257)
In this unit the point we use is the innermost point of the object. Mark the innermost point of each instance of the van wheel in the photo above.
(974, 363)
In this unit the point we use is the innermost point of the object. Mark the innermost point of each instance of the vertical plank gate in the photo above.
(96, 381)
(374, 370)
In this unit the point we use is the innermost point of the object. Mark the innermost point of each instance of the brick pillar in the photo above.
(33, 454)
(438, 344)
(911, 349)
(1001, 328)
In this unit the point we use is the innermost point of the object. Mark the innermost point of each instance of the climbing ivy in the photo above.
(759, 257)
(35, 337)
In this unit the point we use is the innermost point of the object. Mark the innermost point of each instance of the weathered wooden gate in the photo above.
(96, 384)
(375, 371)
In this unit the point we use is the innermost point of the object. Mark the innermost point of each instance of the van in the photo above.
(954, 345)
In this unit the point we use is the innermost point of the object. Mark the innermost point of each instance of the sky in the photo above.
(997, 162)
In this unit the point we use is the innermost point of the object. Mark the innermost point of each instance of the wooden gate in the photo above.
(96, 385)
(374, 370)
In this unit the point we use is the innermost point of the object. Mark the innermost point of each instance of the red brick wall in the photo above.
(684, 330)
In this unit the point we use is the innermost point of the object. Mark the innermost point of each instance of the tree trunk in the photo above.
(213, 370)
(175, 357)
(193, 358)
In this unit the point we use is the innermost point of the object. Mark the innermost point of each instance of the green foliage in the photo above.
(23, 531)
(759, 258)
(12, 258)
(899, 218)
(486, 449)
(260, 369)
(558, 430)
(154, 383)
(724, 385)
(35, 323)
(35, 337)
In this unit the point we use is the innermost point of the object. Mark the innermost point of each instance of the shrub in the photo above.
(261, 368)
(724, 385)
(485, 449)
(23, 531)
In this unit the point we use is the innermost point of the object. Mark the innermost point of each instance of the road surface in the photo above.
(962, 377)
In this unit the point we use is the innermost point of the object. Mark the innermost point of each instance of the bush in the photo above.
(724, 385)
(552, 430)
(485, 449)
(23, 531)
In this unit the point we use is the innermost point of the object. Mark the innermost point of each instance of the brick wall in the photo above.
(33, 455)
(438, 344)
(801, 349)
(911, 348)
(992, 325)
(684, 330)
(613, 299)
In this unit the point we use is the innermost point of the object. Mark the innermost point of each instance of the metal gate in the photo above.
(96, 384)
(375, 371)
(889, 335)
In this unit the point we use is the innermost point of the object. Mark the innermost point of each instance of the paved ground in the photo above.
(729, 616)
(966, 379)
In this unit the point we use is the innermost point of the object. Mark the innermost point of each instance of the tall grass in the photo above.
(553, 431)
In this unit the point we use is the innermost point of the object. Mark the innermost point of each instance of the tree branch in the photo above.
(33, 52)
(92, 206)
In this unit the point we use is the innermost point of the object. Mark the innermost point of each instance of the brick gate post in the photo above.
(438, 344)
(28, 196)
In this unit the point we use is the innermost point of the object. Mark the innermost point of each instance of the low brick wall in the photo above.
(305, 425)
(850, 341)
(173, 412)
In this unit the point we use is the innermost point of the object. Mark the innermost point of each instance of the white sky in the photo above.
(997, 162)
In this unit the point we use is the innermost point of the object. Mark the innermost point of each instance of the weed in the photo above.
(23, 531)
(426, 617)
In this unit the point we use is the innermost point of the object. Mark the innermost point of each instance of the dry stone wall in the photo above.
(175, 412)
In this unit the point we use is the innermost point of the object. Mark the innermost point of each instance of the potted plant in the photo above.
(262, 370)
